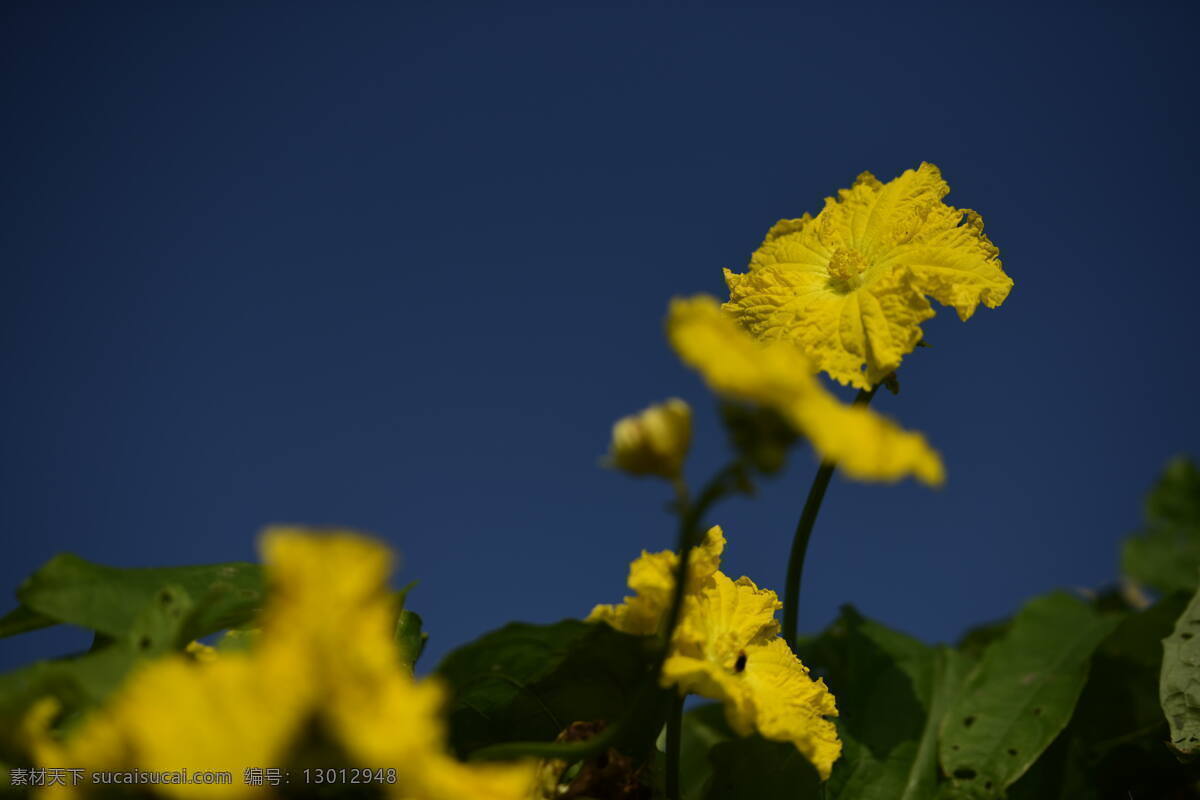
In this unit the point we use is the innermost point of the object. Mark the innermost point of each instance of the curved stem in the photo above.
(674, 742)
(808, 517)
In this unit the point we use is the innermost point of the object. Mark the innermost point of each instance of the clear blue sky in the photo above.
(399, 269)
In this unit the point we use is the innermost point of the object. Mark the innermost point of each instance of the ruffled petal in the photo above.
(790, 706)
(652, 578)
(849, 286)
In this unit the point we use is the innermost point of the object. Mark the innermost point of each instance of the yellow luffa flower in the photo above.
(777, 375)
(727, 647)
(325, 655)
(654, 441)
(652, 578)
(850, 285)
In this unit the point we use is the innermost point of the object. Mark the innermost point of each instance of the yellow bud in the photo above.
(653, 442)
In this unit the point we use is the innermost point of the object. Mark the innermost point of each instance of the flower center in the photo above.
(846, 265)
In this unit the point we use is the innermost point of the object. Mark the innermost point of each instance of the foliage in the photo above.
(1166, 554)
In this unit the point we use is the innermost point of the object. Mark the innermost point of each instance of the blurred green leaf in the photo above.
(753, 768)
(529, 682)
(409, 637)
(21, 620)
(1166, 554)
(761, 436)
(704, 727)
(107, 599)
(976, 639)
(1020, 695)
(79, 682)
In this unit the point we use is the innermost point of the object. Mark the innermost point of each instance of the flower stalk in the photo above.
(808, 518)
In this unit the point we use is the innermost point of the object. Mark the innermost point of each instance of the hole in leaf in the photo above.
(953, 747)
(1012, 751)
(987, 784)
(964, 773)
(969, 721)
(1037, 711)
(165, 597)
(1186, 635)
(144, 643)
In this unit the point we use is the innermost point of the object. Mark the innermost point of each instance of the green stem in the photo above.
(808, 517)
(674, 741)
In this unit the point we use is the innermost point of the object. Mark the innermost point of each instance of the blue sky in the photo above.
(399, 269)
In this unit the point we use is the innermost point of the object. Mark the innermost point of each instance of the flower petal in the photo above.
(777, 375)
(652, 578)
(849, 286)
(790, 706)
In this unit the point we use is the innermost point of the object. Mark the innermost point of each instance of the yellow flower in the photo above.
(653, 442)
(777, 375)
(175, 713)
(652, 578)
(849, 286)
(727, 647)
(325, 655)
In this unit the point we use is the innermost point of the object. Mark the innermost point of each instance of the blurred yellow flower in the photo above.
(777, 375)
(654, 441)
(325, 660)
(849, 286)
(727, 647)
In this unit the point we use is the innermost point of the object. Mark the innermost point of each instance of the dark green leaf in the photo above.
(1166, 556)
(107, 599)
(1020, 695)
(1113, 746)
(975, 641)
(529, 682)
(753, 768)
(761, 436)
(892, 692)
(703, 728)
(22, 620)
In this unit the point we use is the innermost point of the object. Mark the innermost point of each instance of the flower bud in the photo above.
(653, 442)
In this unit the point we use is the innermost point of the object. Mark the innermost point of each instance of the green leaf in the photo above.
(1179, 684)
(1020, 695)
(410, 639)
(753, 768)
(703, 728)
(79, 682)
(107, 599)
(22, 620)
(976, 639)
(1115, 738)
(892, 692)
(1166, 556)
(529, 682)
